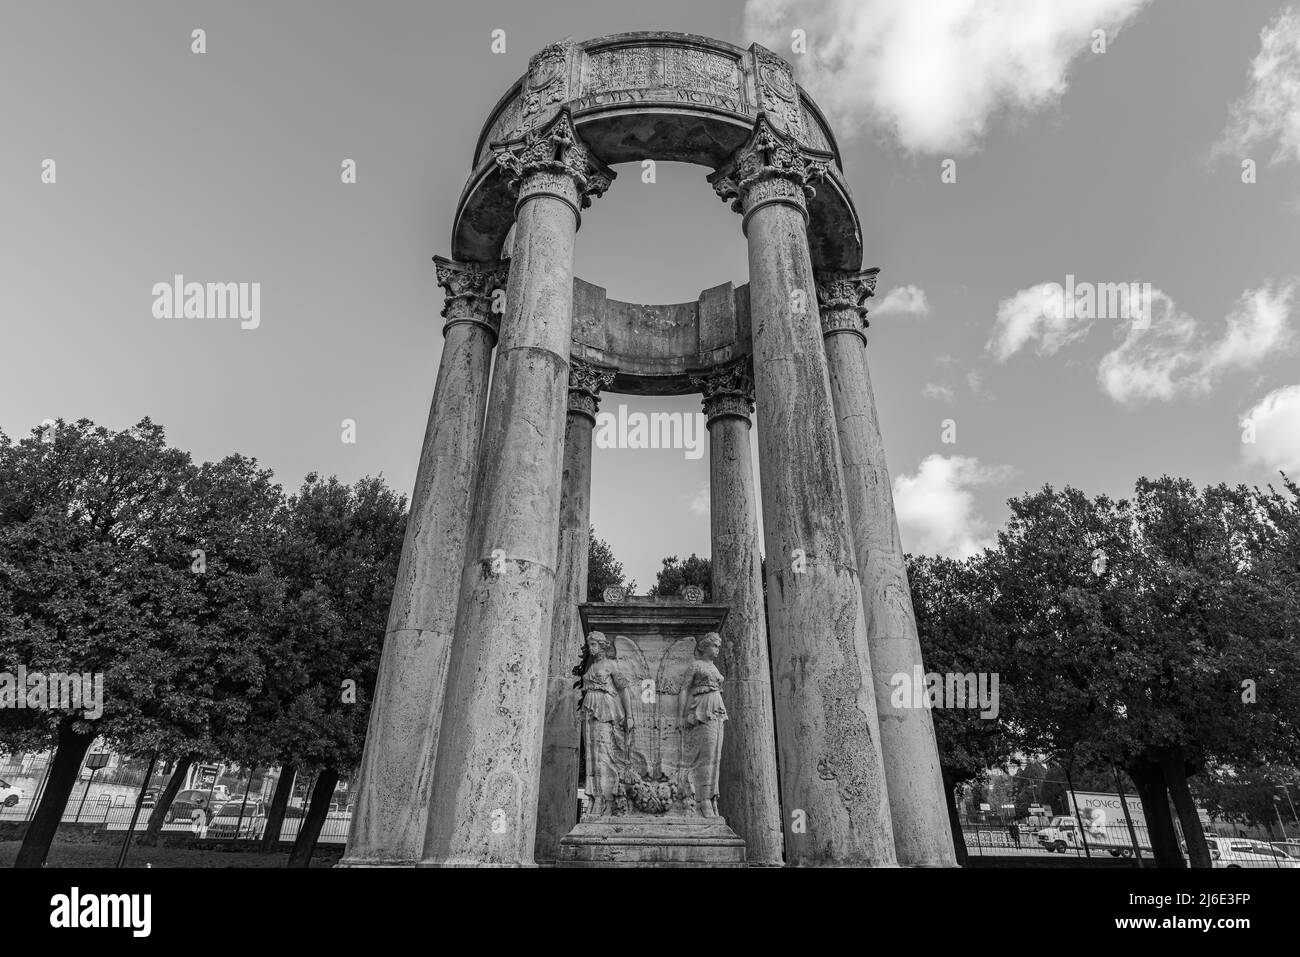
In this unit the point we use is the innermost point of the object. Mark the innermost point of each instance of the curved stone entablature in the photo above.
(655, 350)
(662, 96)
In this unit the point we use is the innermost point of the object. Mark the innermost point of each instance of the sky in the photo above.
(996, 151)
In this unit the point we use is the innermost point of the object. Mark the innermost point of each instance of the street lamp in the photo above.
(95, 761)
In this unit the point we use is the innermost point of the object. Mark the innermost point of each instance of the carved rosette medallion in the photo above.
(553, 161)
(772, 167)
(728, 390)
(585, 384)
(841, 301)
(475, 293)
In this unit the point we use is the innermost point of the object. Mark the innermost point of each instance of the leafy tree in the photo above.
(676, 574)
(95, 568)
(339, 561)
(956, 620)
(603, 571)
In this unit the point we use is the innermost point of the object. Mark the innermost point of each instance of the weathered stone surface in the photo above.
(652, 841)
(396, 770)
(557, 807)
(922, 835)
(832, 779)
(749, 778)
(484, 805)
(664, 96)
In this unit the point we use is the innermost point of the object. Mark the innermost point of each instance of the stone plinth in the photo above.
(655, 820)
(647, 840)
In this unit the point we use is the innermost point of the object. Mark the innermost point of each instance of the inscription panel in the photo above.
(673, 73)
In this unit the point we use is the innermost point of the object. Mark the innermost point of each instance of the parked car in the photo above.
(9, 795)
(150, 798)
(1289, 848)
(185, 804)
(235, 819)
(1243, 852)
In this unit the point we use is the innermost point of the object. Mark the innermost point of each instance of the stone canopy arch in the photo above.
(663, 96)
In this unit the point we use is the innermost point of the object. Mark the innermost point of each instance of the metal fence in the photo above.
(114, 813)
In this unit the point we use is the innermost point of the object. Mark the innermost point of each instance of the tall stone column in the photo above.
(396, 770)
(748, 785)
(922, 834)
(484, 805)
(557, 807)
(836, 808)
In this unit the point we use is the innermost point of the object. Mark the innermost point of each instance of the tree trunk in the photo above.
(309, 831)
(1150, 783)
(160, 808)
(954, 822)
(279, 802)
(68, 755)
(1175, 774)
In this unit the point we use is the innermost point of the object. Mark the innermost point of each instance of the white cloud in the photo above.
(699, 502)
(933, 390)
(1173, 357)
(933, 74)
(936, 506)
(1035, 313)
(903, 301)
(1269, 113)
(1276, 421)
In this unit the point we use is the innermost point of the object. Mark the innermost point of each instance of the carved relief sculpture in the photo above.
(606, 710)
(702, 715)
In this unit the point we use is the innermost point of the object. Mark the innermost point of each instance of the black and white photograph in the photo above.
(778, 436)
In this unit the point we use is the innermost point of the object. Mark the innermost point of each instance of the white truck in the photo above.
(1063, 834)
(1105, 825)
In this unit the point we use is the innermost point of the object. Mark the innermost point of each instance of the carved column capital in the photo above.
(473, 290)
(772, 167)
(585, 384)
(728, 390)
(553, 161)
(842, 301)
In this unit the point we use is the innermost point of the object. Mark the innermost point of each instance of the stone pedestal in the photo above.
(655, 820)
(644, 840)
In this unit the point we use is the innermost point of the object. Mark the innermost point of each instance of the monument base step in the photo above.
(636, 840)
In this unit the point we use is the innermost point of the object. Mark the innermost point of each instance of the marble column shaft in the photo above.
(748, 779)
(484, 806)
(396, 770)
(922, 833)
(557, 806)
(834, 799)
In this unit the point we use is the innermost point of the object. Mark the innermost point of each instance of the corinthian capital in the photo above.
(842, 300)
(772, 167)
(475, 292)
(585, 384)
(728, 390)
(553, 161)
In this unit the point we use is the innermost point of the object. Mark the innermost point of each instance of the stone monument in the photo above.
(485, 611)
(653, 726)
